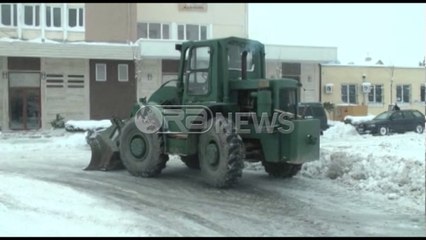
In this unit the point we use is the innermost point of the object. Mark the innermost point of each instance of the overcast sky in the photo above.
(394, 33)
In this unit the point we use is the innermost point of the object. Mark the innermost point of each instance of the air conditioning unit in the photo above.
(328, 88)
(366, 87)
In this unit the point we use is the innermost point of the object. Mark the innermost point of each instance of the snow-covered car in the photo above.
(394, 121)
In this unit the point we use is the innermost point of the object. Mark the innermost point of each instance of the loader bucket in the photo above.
(104, 147)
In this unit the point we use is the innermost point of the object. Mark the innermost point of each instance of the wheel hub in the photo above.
(212, 154)
(137, 146)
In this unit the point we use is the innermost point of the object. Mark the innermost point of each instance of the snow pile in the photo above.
(391, 165)
(340, 130)
(332, 122)
(32, 140)
(71, 140)
(85, 125)
(358, 119)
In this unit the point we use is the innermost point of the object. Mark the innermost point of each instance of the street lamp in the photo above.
(391, 86)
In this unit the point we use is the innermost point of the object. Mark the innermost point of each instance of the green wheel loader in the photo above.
(220, 112)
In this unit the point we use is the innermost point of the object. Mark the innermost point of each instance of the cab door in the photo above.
(198, 75)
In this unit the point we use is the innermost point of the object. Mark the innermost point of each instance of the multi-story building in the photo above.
(49, 68)
(376, 86)
(93, 61)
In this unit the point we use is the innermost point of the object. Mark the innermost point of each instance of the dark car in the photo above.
(399, 121)
(313, 110)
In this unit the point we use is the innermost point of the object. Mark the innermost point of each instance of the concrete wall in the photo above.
(65, 90)
(300, 53)
(29, 34)
(227, 19)
(8, 33)
(68, 50)
(149, 77)
(344, 74)
(3, 93)
(111, 22)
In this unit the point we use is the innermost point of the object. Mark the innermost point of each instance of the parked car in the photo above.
(394, 121)
(313, 110)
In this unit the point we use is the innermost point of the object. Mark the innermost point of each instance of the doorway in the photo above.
(24, 101)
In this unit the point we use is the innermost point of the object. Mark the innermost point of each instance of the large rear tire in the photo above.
(221, 153)
(282, 170)
(141, 153)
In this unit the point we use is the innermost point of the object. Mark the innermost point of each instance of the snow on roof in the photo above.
(377, 63)
(45, 40)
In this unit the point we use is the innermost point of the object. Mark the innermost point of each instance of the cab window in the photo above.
(197, 74)
(237, 56)
(288, 100)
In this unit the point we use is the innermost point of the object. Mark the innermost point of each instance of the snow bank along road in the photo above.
(45, 192)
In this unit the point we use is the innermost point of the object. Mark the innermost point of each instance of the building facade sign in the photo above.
(198, 7)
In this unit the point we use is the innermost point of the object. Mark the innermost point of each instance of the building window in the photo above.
(291, 70)
(8, 14)
(75, 17)
(101, 72)
(422, 93)
(403, 93)
(348, 92)
(153, 30)
(32, 15)
(376, 94)
(192, 32)
(166, 31)
(203, 32)
(123, 72)
(181, 30)
(53, 16)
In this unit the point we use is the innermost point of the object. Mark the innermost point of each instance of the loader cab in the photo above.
(207, 66)
(198, 72)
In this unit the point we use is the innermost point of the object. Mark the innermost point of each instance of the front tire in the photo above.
(221, 153)
(383, 131)
(141, 153)
(419, 128)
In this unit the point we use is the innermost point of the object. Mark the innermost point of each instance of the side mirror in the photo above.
(142, 100)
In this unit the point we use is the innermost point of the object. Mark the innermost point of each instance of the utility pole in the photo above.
(391, 86)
